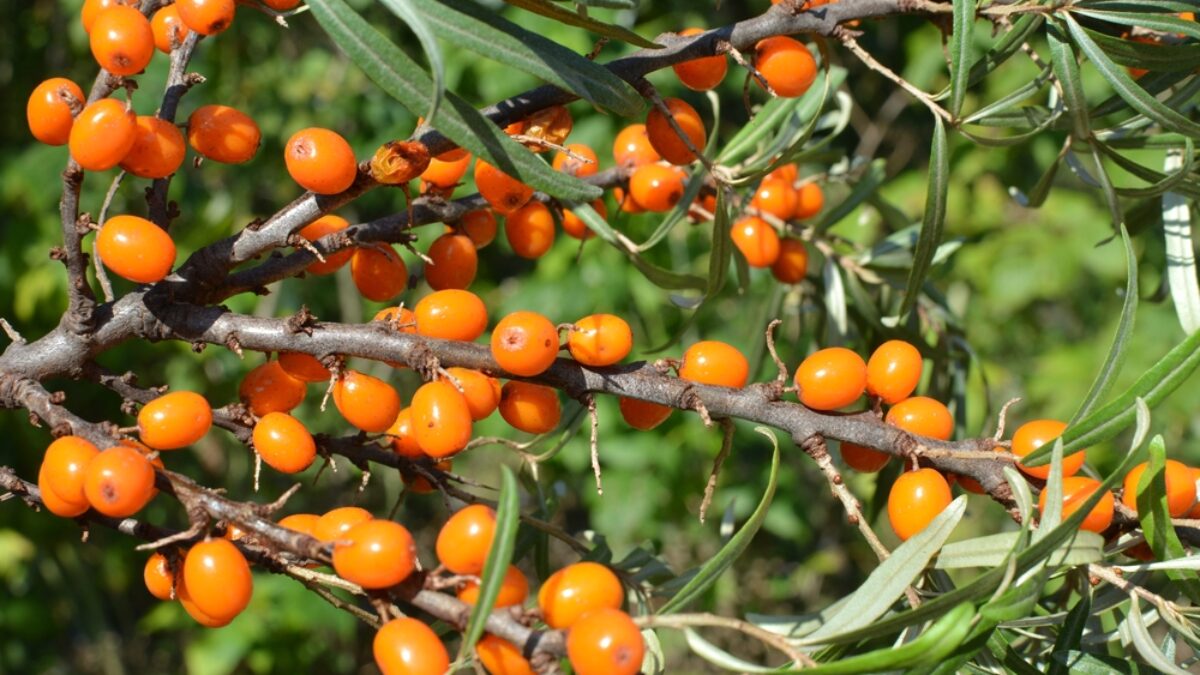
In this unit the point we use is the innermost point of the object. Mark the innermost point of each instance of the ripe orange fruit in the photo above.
(917, 497)
(574, 226)
(792, 264)
(757, 241)
(367, 402)
(49, 110)
(441, 419)
(135, 249)
(169, 30)
(786, 65)
(777, 197)
(831, 378)
(402, 438)
(480, 226)
(158, 149)
(375, 554)
(664, 138)
(159, 578)
(703, 73)
(787, 172)
(525, 343)
(893, 371)
(303, 367)
(334, 524)
(206, 17)
(60, 477)
(93, 8)
(454, 262)
(530, 230)
(656, 188)
(378, 272)
(600, 340)
(119, 481)
(643, 415)
(189, 606)
(481, 392)
(223, 134)
(503, 192)
(809, 201)
(408, 647)
(625, 202)
(922, 416)
(55, 504)
(320, 160)
(174, 420)
(102, 135)
(283, 443)
(326, 225)
(501, 657)
(605, 642)
(863, 459)
(122, 40)
(715, 363)
(446, 173)
(632, 148)
(513, 589)
(1033, 435)
(1076, 491)
(218, 579)
(281, 5)
(465, 540)
(268, 388)
(531, 408)
(1180, 486)
(300, 522)
(1195, 510)
(575, 167)
(577, 589)
(451, 314)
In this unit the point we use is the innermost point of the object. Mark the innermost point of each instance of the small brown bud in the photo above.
(398, 162)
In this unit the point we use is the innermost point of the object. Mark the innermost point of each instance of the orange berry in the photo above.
(757, 241)
(809, 201)
(831, 378)
(159, 578)
(576, 167)
(971, 485)
(367, 402)
(122, 40)
(418, 484)
(375, 554)
(55, 504)
(320, 160)
(61, 475)
(268, 388)
(441, 419)
(786, 172)
(102, 135)
(93, 8)
(119, 481)
(715, 363)
(786, 65)
(577, 589)
(303, 367)
(1195, 510)
(525, 343)
(169, 29)
(446, 173)
(600, 340)
(408, 647)
(922, 416)
(402, 438)
(194, 611)
(531, 408)
(626, 202)
(321, 227)
(792, 264)
(218, 579)
(454, 262)
(300, 522)
(283, 443)
(206, 17)
(480, 226)
(135, 249)
(703, 73)
(174, 420)
(505, 193)
(776, 197)
(1180, 486)
(1076, 491)
(656, 188)
(223, 134)
(632, 147)
(605, 642)
(916, 498)
(451, 314)
(465, 540)
(513, 589)
(335, 523)
(281, 5)
(664, 137)
(893, 371)
(1033, 435)
(158, 149)
(378, 272)
(49, 110)
(481, 392)
(530, 230)
(501, 657)
(863, 459)
(574, 226)
(643, 415)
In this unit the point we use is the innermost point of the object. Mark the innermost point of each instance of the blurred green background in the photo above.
(1033, 298)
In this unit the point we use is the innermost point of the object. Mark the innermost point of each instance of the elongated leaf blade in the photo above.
(1181, 258)
(1155, 517)
(934, 220)
(1144, 643)
(562, 15)
(416, 23)
(1066, 69)
(960, 52)
(508, 519)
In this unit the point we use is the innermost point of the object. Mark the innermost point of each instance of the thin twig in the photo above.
(775, 640)
(869, 61)
(595, 440)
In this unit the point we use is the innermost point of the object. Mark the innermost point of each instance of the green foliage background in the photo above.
(1034, 293)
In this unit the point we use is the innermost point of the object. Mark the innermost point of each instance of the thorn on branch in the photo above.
(11, 332)
(303, 321)
(782, 378)
(1002, 418)
(595, 441)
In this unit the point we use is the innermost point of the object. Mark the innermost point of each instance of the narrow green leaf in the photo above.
(1155, 518)
(1086, 663)
(960, 52)
(934, 219)
(993, 550)
(658, 276)
(508, 519)
(416, 23)
(1181, 258)
(1180, 180)
(722, 247)
(1164, 23)
(1072, 630)
(1160, 6)
(1008, 45)
(1018, 96)
(1153, 57)
(677, 214)
(867, 183)
(1144, 643)
(1041, 189)
(769, 118)
(719, 657)
(1066, 69)
(561, 15)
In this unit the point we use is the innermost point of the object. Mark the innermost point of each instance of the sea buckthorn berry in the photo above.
(600, 340)
(786, 64)
(207, 17)
(135, 249)
(169, 29)
(481, 392)
(632, 147)
(757, 241)
(525, 343)
(119, 481)
(703, 208)
(513, 589)
(375, 554)
(326, 225)
(379, 272)
(174, 420)
(446, 173)
(831, 378)
(159, 578)
(643, 415)
(408, 647)
(194, 611)
(501, 657)
(1180, 486)
(776, 197)
(268, 388)
(367, 402)
(49, 110)
(531, 408)
(1033, 435)
(223, 134)
(626, 202)
(418, 484)
(55, 504)
(1194, 513)
(716, 363)
(792, 264)
(441, 419)
(102, 135)
(337, 522)
(283, 443)
(530, 230)
(703, 73)
(218, 578)
(454, 262)
(893, 371)
(480, 226)
(465, 540)
(320, 160)
(574, 166)
(605, 642)
(451, 314)
(505, 193)
(281, 5)
(63, 469)
(656, 188)
(809, 201)
(574, 226)
(666, 140)
(922, 416)
(93, 8)
(863, 459)
(786, 172)
(397, 162)
(577, 589)
(401, 436)
(1076, 491)
(303, 367)
(158, 149)
(122, 40)
(917, 497)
